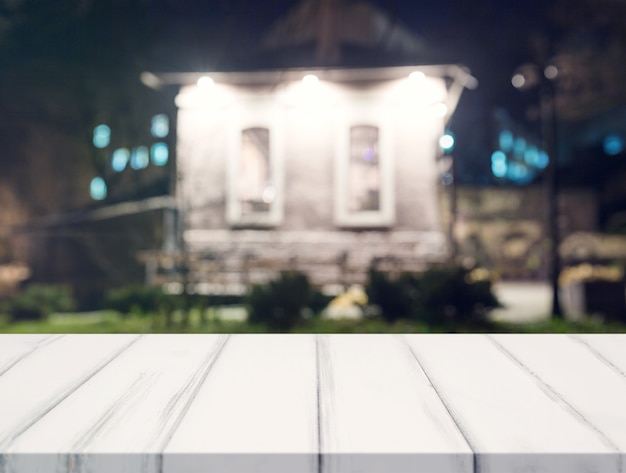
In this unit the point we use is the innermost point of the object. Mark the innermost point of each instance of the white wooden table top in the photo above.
(312, 403)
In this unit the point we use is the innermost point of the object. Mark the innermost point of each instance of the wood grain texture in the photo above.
(380, 410)
(129, 408)
(509, 419)
(257, 412)
(312, 403)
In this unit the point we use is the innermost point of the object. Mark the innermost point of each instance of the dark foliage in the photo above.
(448, 294)
(440, 296)
(38, 301)
(139, 300)
(280, 303)
(397, 298)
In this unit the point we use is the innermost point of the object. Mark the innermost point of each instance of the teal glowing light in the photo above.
(519, 146)
(613, 145)
(499, 165)
(505, 140)
(543, 160)
(98, 188)
(531, 156)
(160, 126)
(519, 173)
(160, 154)
(139, 158)
(120, 159)
(101, 136)
(447, 141)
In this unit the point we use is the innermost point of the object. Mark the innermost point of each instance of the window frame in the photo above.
(256, 114)
(364, 113)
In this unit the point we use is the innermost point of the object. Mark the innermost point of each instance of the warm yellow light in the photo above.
(204, 82)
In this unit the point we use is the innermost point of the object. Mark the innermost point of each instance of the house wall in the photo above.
(311, 127)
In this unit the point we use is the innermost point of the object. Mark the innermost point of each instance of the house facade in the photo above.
(326, 171)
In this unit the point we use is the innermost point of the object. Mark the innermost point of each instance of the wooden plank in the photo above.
(15, 348)
(130, 408)
(49, 375)
(257, 412)
(511, 422)
(588, 387)
(610, 348)
(380, 413)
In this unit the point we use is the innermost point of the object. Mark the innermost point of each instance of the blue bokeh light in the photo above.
(447, 141)
(98, 188)
(499, 165)
(543, 160)
(613, 145)
(140, 158)
(519, 146)
(505, 140)
(531, 156)
(160, 126)
(160, 154)
(120, 159)
(101, 136)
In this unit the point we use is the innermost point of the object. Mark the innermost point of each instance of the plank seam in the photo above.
(322, 371)
(210, 362)
(10, 438)
(599, 355)
(42, 343)
(448, 406)
(555, 395)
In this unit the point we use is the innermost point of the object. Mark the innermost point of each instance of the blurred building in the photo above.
(323, 170)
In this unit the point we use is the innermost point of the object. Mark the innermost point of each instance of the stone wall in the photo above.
(506, 228)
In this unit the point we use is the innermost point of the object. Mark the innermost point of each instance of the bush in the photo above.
(38, 301)
(440, 295)
(450, 294)
(397, 298)
(280, 303)
(138, 300)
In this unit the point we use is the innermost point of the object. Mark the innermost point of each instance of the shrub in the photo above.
(440, 295)
(450, 294)
(38, 301)
(397, 298)
(280, 303)
(138, 300)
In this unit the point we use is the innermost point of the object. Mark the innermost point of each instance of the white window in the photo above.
(255, 190)
(364, 169)
(255, 168)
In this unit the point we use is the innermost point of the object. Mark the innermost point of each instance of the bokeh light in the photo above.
(447, 141)
(505, 140)
(101, 136)
(98, 188)
(119, 160)
(613, 145)
(499, 165)
(140, 158)
(160, 126)
(159, 152)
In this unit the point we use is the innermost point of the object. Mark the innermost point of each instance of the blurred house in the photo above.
(319, 155)
(326, 171)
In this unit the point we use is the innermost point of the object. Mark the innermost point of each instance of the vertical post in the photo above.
(548, 119)
(453, 211)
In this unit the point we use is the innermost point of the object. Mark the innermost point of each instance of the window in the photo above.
(255, 166)
(255, 190)
(364, 194)
(364, 170)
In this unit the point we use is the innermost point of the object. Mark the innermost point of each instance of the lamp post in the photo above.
(530, 76)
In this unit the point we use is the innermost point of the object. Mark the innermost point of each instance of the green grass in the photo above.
(112, 322)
